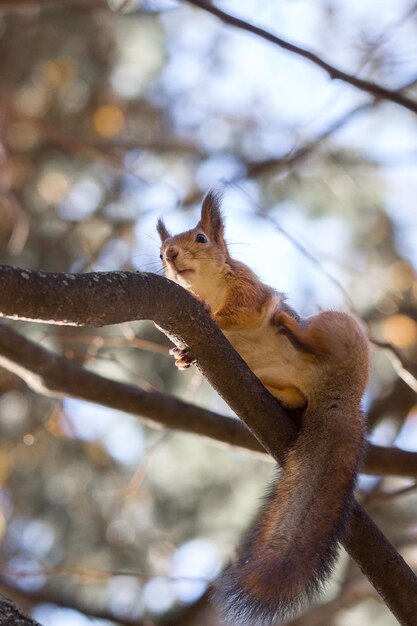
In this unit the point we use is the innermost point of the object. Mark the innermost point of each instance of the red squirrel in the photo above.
(320, 365)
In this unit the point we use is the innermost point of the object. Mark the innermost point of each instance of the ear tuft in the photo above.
(211, 215)
(162, 230)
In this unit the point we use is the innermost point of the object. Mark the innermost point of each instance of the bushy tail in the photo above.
(291, 549)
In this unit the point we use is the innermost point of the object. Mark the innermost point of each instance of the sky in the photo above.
(294, 94)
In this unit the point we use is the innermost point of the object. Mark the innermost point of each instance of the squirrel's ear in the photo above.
(211, 216)
(162, 230)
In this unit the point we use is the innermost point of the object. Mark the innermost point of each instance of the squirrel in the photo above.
(319, 365)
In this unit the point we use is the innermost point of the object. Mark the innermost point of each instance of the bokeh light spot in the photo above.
(109, 121)
(400, 330)
(53, 186)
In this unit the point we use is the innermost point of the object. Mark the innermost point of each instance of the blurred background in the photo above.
(112, 114)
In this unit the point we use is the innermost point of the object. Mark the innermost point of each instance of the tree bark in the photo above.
(97, 299)
(11, 616)
(53, 375)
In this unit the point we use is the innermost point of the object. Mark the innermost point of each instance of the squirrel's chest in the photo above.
(273, 358)
(261, 347)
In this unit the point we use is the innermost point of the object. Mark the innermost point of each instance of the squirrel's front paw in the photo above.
(283, 321)
(183, 358)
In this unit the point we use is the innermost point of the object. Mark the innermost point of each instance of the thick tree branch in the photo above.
(374, 89)
(53, 375)
(110, 297)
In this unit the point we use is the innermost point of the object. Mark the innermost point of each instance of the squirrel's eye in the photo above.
(161, 256)
(201, 238)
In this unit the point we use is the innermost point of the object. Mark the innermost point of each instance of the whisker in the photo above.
(141, 232)
(138, 257)
(238, 243)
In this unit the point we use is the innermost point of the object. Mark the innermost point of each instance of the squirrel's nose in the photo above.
(171, 253)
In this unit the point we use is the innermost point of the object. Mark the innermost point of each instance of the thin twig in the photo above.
(91, 574)
(306, 253)
(375, 89)
(400, 365)
(138, 477)
(68, 600)
(297, 154)
(104, 341)
(384, 496)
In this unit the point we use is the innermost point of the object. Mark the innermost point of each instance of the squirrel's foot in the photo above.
(183, 358)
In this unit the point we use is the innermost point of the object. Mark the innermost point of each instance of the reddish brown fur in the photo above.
(293, 544)
(245, 300)
(290, 550)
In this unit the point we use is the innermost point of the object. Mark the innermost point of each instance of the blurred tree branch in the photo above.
(374, 89)
(405, 369)
(397, 403)
(79, 146)
(299, 153)
(97, 299)
(10, 5)
(28, 599)
(31, 599)
(56, 376)
(353, 594)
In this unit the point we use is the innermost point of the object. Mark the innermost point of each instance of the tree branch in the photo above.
(183, 616)
(374, 89)
(9, 614)
(102, 298)
(6, 5)
(299, 153)
(32, 598)
(405, 369)
(53, 375)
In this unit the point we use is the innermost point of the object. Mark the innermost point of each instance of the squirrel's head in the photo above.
(188, 258)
